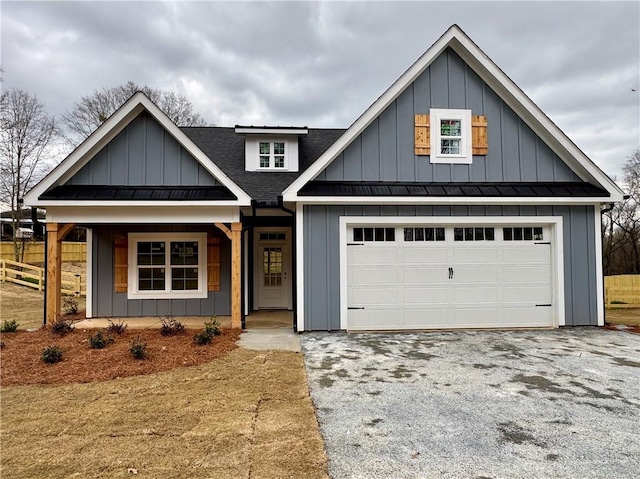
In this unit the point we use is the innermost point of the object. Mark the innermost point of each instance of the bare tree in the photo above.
(92, 110)
(26, 134)
(621, 224)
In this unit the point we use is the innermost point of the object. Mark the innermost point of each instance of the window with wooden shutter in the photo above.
(423, 126)
(213, 263)
(120, 262)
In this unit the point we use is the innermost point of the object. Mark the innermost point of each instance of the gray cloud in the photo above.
(323, 64)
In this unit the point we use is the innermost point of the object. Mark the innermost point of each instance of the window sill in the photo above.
(452, 160)
(166, 295)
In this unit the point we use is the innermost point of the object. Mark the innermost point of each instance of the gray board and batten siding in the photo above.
(385, 149)
(107, 303)
(143, 154)
(322, 255)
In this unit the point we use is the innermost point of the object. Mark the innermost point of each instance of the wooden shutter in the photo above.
(213, 263)
(480, 143)
(120, 262)
(422, 135)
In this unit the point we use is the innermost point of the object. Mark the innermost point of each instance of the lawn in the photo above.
(244, 414)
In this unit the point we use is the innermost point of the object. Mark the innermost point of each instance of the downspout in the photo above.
(294, 278)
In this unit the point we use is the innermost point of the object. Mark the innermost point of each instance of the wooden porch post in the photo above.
(236, 275)
(55, 234)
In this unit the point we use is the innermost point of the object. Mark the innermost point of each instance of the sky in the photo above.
(322, 64)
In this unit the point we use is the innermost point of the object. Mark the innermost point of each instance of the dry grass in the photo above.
(628, 316)
(245, 414)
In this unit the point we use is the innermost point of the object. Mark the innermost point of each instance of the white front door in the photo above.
(273, 274)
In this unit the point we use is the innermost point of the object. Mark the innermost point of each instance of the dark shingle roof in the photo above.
(226, 149)
(506, 189)
(139, 193)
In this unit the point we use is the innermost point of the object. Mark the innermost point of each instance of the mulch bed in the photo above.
(21, 363)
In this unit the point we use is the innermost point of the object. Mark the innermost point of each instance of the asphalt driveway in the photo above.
(530, 404)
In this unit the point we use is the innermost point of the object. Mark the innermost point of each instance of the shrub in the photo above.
(116, 328)
(70, 305)
(52, 354)
(203, 337)
(9, 326)
(212, 327)
(171, 326)
(61, 327)
(99, 340)
(138, 348)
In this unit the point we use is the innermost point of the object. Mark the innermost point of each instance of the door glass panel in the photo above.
(358, 234)
(368, 234)
(537, 234)
(488, 234)
(517, 234)
(272, 266)
(419, 234)
(390, 234)
(428, 234)
(507, 234)
(468, 234)
(408, 234)
(528, 234)
(379, 232)
(439, 234)
(479, 234)
(457, 234)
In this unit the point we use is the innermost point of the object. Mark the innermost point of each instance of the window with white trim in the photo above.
(451, 136)
(167, 265)
(272, 154)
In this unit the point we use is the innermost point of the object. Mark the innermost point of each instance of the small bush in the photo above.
(212, 327)
(203, 337)
(99, 340)
(61, 327)
(171, 326)
(116, 328)
(52, 354)
(70, 305)
(9, 326)
(138, 348)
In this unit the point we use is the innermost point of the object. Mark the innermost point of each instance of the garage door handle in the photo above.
(450, 273)
(543, 304)
(355, 307)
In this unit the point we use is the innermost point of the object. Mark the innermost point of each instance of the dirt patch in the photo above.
(627, 316)
(246, 414)
(21, 363)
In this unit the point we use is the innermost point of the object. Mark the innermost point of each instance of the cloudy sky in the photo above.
(322, 64)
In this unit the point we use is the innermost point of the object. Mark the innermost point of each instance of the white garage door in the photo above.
(431, 277)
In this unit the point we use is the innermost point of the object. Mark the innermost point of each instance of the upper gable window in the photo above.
(272, 154)
(451, 140)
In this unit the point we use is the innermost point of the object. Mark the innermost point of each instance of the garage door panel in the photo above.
(368, 275)
(527, 253)
(533, 293)
(412, 254)
(425, 295)
(423, 274)
(463, 294)
(374, 296)
(528, 317)
(427, 318)
(475, 317)
(475, 274)
(525, 273)
(474, 255)
(366, 254)
(372, 320)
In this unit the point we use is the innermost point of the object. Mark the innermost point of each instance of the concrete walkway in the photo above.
(265, 330)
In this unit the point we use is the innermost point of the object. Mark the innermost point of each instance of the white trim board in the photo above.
(134, 214)
(89, 277)
(557, 250)
(447, 200)
(599, 273)
(135, 105)
(300, 279)
(504, 87)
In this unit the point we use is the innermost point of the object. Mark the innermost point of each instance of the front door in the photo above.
(273, 277)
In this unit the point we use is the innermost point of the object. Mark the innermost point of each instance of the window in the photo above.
(167, 265)
(374, 234)
(473, 234)
(272, 154)
(424, 234)
(451, 136)
(526, 233)
(273, 236)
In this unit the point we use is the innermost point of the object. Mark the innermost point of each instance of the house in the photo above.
(451, 202)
